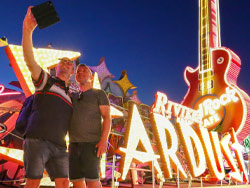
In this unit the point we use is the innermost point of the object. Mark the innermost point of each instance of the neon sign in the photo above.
(132, 139)
(202, 149)
(216, 75)
(207, 111)
(168, 154)
(211, 107)
(2, 93)
(46, 58)
(168, 109)
(10, 154)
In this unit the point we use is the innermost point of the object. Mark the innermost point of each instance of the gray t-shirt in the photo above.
(86, 123)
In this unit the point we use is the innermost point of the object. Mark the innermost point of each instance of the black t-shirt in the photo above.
(86, 125)
(51, 111)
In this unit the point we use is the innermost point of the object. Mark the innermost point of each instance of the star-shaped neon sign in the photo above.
(46, 58)
(124, 83)
(102, 70)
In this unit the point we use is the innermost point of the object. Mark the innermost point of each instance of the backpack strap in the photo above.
(49, 84)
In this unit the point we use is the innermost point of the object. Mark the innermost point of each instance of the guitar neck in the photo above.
(209, 35)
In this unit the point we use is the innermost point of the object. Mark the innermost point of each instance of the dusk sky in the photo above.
(153, 40)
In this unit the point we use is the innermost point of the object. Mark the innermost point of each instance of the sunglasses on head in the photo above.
(66, 61)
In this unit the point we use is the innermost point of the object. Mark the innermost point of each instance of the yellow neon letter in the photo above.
(212, 152)
(160, 125)
(190, 141)
(135, 134)
(235, 174)
(160, 103)
(238, 152)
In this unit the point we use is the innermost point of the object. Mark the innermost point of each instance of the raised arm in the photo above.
(29, 24)
(106, 125)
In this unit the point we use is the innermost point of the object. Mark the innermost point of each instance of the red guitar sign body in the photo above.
(212, 85)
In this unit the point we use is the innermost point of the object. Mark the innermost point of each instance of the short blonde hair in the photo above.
(64, 59)
(83, 65)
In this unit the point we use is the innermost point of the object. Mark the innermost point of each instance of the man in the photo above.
(88, 134)
(44, 144)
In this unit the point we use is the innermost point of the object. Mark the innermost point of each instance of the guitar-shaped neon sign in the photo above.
(212, 85)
